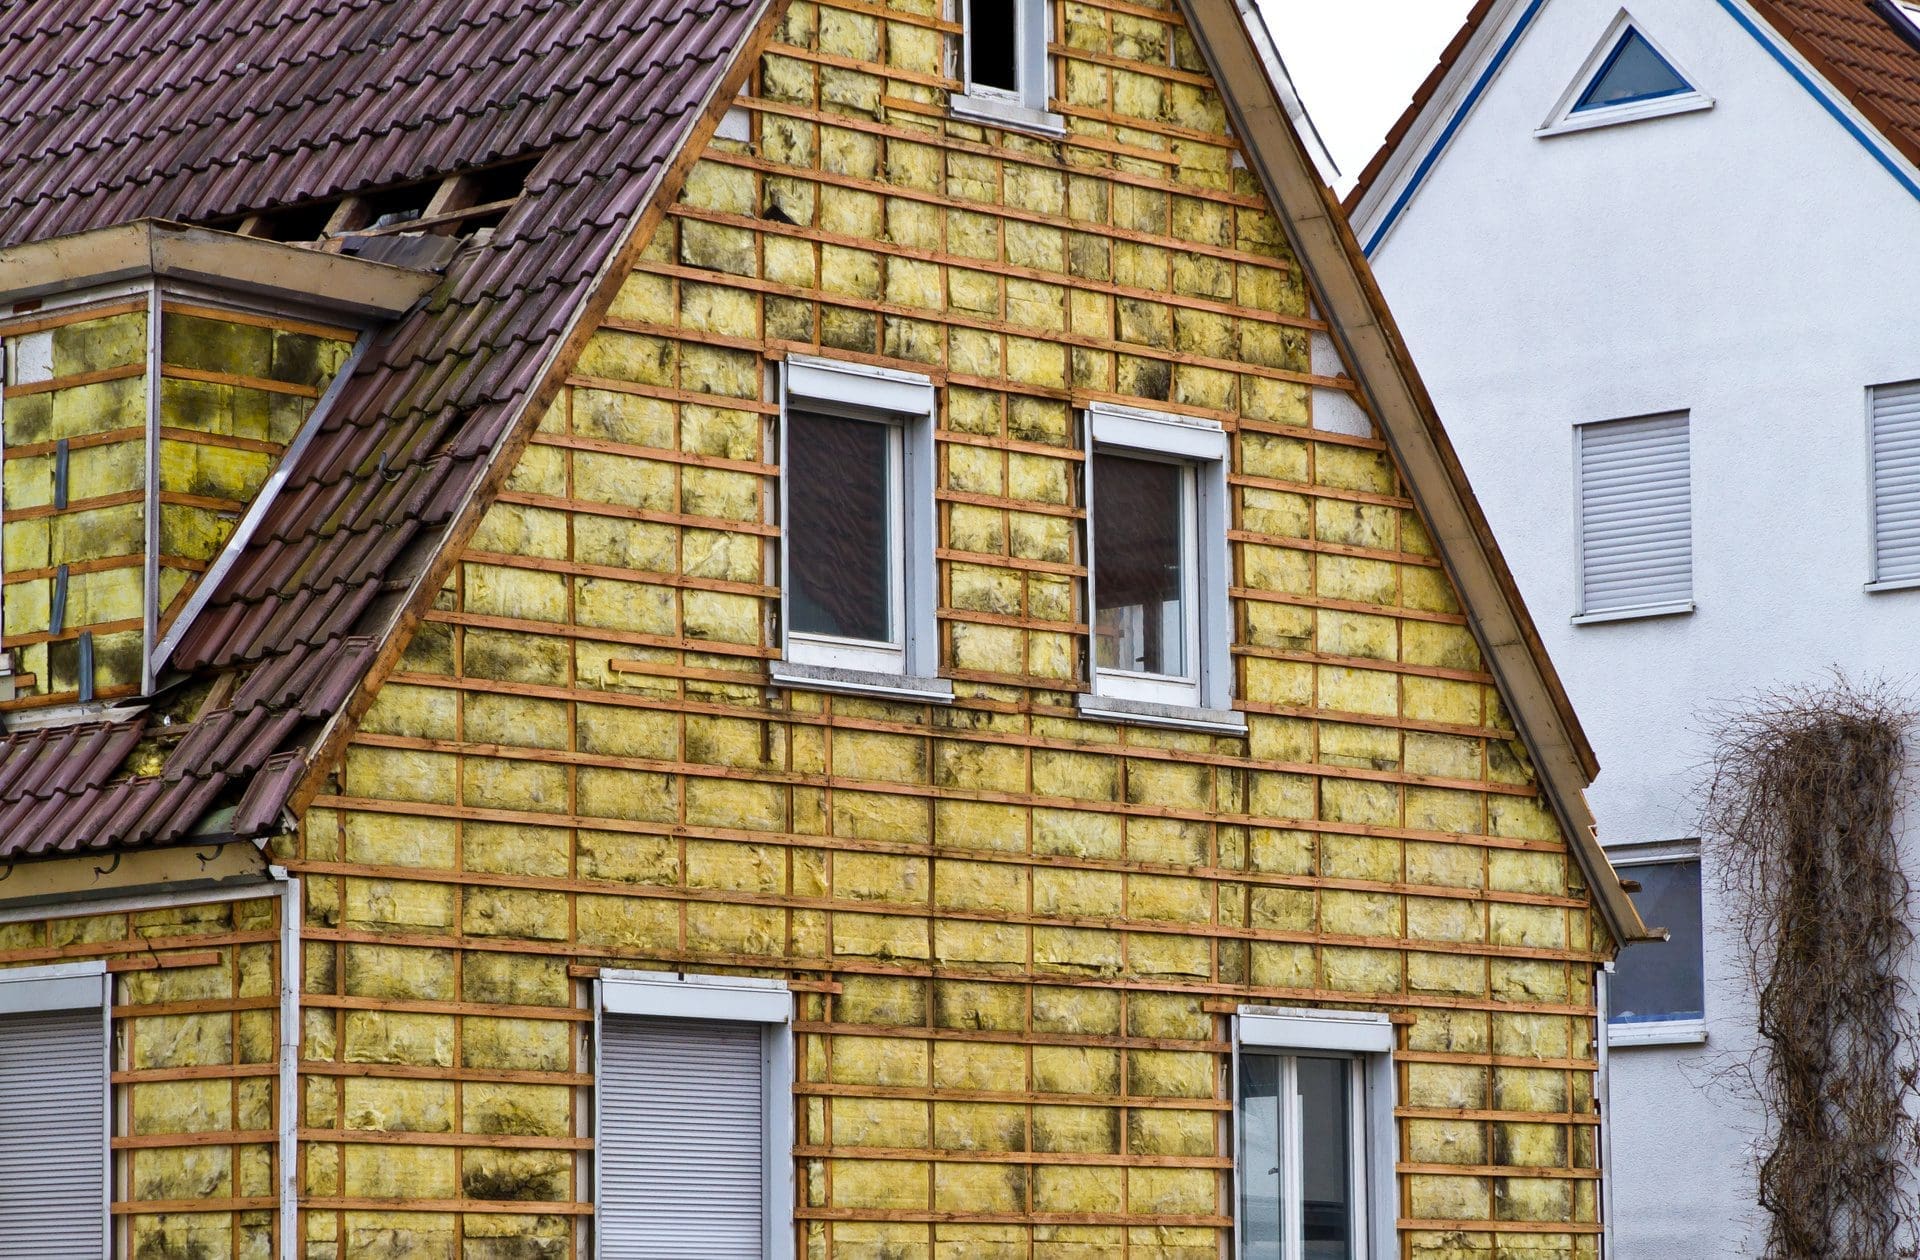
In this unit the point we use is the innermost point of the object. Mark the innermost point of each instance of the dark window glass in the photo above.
(1662, 979)
(993, 44)
(840, 528)
(1260, 1198)
(1635, 72)
(1139, 565)
(1326, 1158)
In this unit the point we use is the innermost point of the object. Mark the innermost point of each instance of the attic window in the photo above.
(1626, 78)
(1004, 64)
(1635, 72)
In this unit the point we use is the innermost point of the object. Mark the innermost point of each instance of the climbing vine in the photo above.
(1801, 818)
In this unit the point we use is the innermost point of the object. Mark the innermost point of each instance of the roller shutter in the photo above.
(1636, 516)
(682, 1139)
(1896, 482)
(53, 1119)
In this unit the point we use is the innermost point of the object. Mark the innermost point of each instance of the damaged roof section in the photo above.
(212, 111)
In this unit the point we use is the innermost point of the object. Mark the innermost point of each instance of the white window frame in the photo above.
(1658, 1032)
(705, 998)
(1026, 108)
(1203, 697)
(906, 403)
(74, 986)
(1366, 1039)
(1878, 581)
(1564, 121)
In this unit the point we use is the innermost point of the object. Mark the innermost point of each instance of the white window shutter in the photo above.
(1636, 516)
(53, 1135)
(683, 1141)
(1896, 482)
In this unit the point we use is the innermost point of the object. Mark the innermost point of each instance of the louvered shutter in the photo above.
(683, 1139)
(53, 1139)
(1636, 527)
(1896, 482)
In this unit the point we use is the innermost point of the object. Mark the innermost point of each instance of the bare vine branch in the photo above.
(1800, 823)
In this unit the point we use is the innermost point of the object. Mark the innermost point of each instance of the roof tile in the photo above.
(212, 109)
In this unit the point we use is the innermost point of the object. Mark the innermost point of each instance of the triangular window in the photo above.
(1632, 73)
(1627, 77)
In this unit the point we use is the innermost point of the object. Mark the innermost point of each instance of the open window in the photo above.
(1314, 1141)
(1156, 489)
(1004, 63)
(693, 1116)
(1626, 78)
(1657, 992)
(857, 528)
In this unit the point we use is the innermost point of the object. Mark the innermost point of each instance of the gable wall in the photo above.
(1014, 933)
(1749, 264)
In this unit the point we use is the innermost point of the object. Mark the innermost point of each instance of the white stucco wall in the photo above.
(1753, 266)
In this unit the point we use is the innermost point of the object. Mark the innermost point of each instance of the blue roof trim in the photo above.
(1453, 125)
(1880, 155)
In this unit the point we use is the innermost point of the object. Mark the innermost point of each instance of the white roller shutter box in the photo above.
(53, 1134)
(683, 1141)
(1896, 482)
(1636, 510)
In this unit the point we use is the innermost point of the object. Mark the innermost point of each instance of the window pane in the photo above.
(1140, 562)
(840, 527)
(1326, 1158)
(1635, 72)
(1662, 979)
(1259, 1157)
(993, 44)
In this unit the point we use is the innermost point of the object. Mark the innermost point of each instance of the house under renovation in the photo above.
(741, 630)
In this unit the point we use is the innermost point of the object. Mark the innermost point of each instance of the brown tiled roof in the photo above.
(208, 109)
(1856, 45)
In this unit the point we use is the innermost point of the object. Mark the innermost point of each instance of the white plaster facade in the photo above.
(1754, 265)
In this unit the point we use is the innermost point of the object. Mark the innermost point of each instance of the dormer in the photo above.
(156, 378)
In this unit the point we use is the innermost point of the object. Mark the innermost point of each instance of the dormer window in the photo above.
(156, 377)
(1004, 64)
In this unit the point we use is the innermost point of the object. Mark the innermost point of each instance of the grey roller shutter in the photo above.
(683, 1142)
(1896, 482)
(1636, 516)
(53, 1138)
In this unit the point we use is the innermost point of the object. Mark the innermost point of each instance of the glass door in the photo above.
(1302, 1157)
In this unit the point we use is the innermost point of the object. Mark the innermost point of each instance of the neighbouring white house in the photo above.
(1661, 268)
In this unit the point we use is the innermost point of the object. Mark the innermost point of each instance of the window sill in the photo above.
(1664, 1032)
(860, 682)
(988, 109)
(1179, 717)
(1640, 111)
(1893, 584)
(1634, 614)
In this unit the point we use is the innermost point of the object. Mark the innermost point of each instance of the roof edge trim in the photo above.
(158, 248)
(1361, 324)
(1830, 93)
(1466, 69)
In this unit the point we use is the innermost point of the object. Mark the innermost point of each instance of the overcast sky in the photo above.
(1357, 62)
